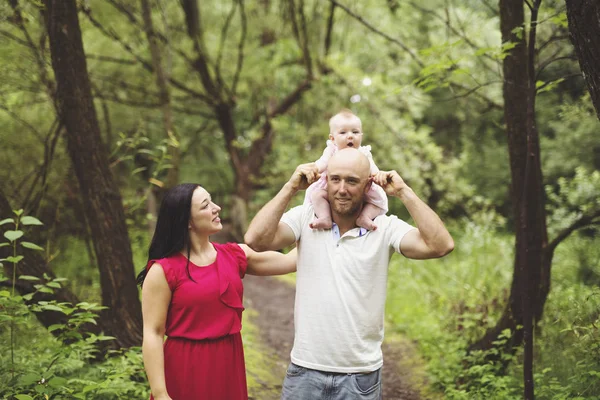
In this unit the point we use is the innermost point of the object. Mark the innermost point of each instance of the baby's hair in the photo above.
(344, 113)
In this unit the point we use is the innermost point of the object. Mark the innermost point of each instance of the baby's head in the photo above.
(345, 129)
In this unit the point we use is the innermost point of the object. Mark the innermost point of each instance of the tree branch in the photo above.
(546, 63)
(329, 30)
(111, 59)
(224, 31)
(241, 44)
(582, 222)
(146, 64)
(17, 118)
(304, 43)
(145, 104)
(15, 38)
(377, 31)
(462, 35)
(18, 20)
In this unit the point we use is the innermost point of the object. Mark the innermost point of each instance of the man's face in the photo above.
(346, 185)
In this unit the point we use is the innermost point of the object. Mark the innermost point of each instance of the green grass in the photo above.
(444, 304)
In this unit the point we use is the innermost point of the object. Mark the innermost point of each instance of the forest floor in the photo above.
(270, 302)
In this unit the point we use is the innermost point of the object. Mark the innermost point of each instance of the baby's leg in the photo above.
(367, 215)
(322, 211)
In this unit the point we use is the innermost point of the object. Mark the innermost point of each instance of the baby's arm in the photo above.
(324, 160)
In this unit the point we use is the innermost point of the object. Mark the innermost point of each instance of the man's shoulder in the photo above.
(387, 218)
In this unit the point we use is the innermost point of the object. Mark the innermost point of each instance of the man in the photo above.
(342, 275)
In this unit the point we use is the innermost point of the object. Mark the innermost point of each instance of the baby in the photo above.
(345, 130)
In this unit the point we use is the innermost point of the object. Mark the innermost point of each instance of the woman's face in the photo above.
(204, 216)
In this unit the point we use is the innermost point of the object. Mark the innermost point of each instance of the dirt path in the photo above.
(273, 300)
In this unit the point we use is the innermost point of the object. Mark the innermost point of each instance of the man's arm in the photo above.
(431, 239)
(266, 232)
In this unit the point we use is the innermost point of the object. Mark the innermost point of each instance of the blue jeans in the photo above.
(308, 384)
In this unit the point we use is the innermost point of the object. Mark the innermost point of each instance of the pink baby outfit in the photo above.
(376, 195)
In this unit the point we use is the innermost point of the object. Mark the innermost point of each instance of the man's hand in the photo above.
(303, 176)
(391, 182)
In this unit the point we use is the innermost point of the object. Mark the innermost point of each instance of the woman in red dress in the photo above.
(192, 293)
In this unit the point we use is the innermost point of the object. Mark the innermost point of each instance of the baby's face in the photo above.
(346, 132)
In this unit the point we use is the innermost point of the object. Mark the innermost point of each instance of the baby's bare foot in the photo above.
(366, 223)
(321, 223)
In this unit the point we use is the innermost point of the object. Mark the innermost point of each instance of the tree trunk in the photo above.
(100, 195)
(584, 26)
(531, 278)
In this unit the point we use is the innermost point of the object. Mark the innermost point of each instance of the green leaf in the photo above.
(6, 221)
(29, 379)
(13, 235)
(4, 244)
(4, 293)
(23, 397)
(52, 307)
(31, 221)
(89, 388)
(55, 285)
(18, 212)
(54, 327)
(29, 278)
(138, 170)
(57, 382)
(14, 260)
(32, 246)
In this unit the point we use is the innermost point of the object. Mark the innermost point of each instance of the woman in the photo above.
(192, 292)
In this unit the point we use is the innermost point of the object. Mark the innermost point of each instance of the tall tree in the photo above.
(584, 26)
(246, 164)
(218, 67)
(531, 277)
(100, 195)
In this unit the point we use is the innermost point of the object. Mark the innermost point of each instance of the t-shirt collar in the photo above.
(354, 232)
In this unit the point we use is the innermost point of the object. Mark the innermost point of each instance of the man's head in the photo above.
(347, 182)
(345, 129)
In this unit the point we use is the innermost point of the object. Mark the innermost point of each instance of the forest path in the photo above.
(272, 303)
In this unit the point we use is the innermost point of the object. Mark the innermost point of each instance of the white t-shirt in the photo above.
(340, 292)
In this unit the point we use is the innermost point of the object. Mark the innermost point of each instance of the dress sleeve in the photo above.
(168, 270)
(240, 257)
(366, 150)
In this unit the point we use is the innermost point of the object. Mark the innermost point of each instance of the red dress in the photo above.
(204, 357)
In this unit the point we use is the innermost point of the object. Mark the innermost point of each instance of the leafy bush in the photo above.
(38, 365)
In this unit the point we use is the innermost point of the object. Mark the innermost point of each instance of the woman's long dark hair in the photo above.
(172, 233)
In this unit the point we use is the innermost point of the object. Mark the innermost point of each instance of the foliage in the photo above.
(574, 199)
(40, 366)
(446, 304)
(426, 79)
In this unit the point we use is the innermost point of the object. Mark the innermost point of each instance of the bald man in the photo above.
(341, 275)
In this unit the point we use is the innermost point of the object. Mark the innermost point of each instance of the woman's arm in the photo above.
(156, 296)
(269, 262)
